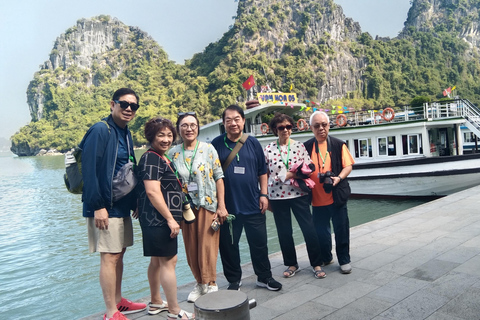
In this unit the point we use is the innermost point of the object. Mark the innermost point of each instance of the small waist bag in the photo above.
(125, 180)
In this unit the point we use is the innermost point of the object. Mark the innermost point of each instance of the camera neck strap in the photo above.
(319, 153)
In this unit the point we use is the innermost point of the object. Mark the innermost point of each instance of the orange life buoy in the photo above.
(388, 114)
(302, 125)
(433, 148)
(264, 128)
(341, 120)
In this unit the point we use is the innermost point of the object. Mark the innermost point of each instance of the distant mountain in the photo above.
(308, 47)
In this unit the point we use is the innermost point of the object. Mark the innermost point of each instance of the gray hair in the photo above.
(318, 112)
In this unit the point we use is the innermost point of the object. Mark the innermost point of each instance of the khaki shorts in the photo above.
(118, 236)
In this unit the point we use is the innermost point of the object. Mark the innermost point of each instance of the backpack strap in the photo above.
(234, 151)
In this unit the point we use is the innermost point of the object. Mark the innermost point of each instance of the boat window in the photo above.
(412, 144)
(363, 148)
(386, 146)
(469, 137)
(382, 146)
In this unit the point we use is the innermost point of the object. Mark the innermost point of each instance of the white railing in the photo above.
(427, 111)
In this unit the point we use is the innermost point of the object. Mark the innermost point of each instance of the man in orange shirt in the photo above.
(333, 163)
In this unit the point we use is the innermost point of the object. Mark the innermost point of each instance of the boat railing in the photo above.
(428, 111)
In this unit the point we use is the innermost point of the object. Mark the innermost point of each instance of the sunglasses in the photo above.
(317, 126)
(281, 128)
(126, 104)
(191, 113)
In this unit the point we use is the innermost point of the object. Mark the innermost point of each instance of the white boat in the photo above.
(418, 153)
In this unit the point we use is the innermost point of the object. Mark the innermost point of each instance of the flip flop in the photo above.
(159, 307)
(319, 274)
(288, 273)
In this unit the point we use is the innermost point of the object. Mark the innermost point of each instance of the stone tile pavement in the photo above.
(421, 263)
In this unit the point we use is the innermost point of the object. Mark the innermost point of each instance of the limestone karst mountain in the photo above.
(306, 46)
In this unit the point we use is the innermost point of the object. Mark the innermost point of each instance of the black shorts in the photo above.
(157, 242)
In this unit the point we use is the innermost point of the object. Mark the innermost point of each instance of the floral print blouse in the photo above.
(206, 170)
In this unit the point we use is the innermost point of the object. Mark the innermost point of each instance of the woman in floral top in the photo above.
(200, 169)
(280, 156)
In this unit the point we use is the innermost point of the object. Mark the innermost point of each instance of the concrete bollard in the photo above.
(224, 304)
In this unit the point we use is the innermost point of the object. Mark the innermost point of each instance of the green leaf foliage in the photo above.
(412, 68)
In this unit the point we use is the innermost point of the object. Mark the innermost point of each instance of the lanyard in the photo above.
(174, 171)
(288, 154)
(168, 164)
(189, 166)
(231, 149)
(319, 153)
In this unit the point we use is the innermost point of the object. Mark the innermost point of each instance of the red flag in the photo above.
(249, 83)
(449, 90)
(445, 92)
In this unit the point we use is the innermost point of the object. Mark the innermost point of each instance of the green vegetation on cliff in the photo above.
(281, 43)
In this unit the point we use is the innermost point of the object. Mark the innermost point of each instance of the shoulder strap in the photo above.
(235, 150)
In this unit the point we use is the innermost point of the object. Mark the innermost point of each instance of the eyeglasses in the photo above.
(126, 104)
(192, 126)
(191, 113)
(317, 126)
(288, 127)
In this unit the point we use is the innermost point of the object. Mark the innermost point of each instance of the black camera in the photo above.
(326, 179)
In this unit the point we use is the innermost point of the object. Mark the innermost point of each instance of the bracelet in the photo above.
(264, 195)
(340, 178)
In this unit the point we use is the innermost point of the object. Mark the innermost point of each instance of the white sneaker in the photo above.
(198, 291)
(346, 268)
(212, 288)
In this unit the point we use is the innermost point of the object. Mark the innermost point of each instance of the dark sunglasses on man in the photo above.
(126, 104)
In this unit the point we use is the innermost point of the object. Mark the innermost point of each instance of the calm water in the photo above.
(46, 271)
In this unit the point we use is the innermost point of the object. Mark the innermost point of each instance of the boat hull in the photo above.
(425, 177)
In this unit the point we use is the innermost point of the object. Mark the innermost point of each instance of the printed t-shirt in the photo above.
(319, 196)
(153, 167)
(242, 191)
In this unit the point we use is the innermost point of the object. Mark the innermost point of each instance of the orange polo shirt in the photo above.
(323, 164)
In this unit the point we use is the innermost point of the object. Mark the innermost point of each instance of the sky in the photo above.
(28, 29)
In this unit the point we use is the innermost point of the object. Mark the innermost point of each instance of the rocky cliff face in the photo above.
(314, 29)
(83, 49)
(460, 17)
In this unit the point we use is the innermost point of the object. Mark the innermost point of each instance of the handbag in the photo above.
(125, 180)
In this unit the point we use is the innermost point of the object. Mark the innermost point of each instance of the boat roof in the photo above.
(289, 109)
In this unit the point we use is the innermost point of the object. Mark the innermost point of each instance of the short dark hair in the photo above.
(184, 115)
(123, 91)
(278, 118)
(153, 126)
(233, 107)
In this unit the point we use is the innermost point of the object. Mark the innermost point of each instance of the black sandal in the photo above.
(290, 272)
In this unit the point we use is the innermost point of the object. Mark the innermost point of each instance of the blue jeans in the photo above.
(283, 220)
(341, 226)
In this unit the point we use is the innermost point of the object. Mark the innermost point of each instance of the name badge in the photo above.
(192, 186)
(239, 170)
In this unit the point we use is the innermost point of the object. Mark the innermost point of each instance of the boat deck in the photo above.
(421, 263)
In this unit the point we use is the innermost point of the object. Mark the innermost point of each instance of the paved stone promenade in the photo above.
(421, 263)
